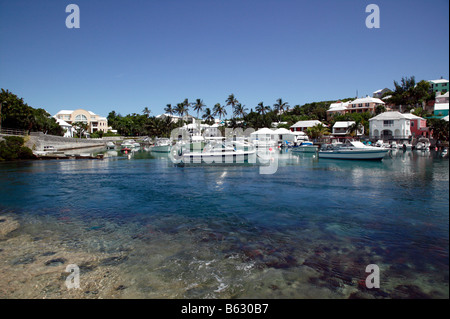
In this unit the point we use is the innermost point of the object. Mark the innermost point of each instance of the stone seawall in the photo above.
(37, 141)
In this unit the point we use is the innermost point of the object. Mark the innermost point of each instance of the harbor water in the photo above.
(142, 227)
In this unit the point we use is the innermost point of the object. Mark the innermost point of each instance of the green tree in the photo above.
(231, 100)
(169, 110)
(317, 131)
(208, 116)
(80, 128)
(219, 110)
(240, 111)
(440, 129)
(146, 111)
(280, 107)
(198, 106)
(262, 109)
(16, 114)
(408, 94)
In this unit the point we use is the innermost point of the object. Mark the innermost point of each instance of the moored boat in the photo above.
(306, 147)
(352, 150)
(161, 146)
(217, 152)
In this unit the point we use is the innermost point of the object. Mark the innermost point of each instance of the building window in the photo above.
(388, 123)
(81, 118)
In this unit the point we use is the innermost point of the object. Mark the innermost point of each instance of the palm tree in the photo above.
(280, 107)
(240, 110)
(262, 109)
(198, 106)
(219, 110)
(169, 110)
(186, 105)
(208, 116)
(231, 101)
(355, 128)
(317, 131)
(146, 111)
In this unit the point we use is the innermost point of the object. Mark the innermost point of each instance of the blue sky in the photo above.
(128, 55)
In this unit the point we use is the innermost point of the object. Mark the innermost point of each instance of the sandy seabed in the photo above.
(135, 261)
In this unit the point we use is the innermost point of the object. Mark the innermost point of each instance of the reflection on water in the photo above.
(144, 228)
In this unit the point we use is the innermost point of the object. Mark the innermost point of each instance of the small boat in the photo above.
(306, 147)
(444, 152)
(127, 144)
(423, 144)
(217, 152)
(161, 146)
(110, 145)
(352, 150)
(126, 150)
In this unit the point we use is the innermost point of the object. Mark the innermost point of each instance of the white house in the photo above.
(341, 128)
(302, 126)
(198, 129)
(68, 129)
(379, 93)
(441, 105)
(390, 125)
(337, 108)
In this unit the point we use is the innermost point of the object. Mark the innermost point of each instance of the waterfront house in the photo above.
(95, 122)
(440, 85)
(302, 126)
(342, 128)
(379, 93)
(441, 104)
(397, 126)
(68, 129)
(174, 118)
(366, 104)
(418, 125)
(339, 107)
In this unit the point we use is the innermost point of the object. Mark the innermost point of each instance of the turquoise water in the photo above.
(160, 231)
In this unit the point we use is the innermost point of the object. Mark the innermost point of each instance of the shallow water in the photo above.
(144, 228)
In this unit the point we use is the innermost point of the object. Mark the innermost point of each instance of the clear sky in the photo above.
(132, 54)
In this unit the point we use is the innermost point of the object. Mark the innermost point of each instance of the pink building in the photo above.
(418, 126)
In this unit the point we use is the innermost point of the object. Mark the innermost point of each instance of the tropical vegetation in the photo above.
(406, 95)
(12, 148)
(16, 114)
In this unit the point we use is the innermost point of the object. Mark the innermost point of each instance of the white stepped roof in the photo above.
(264, 130)
(367, 100)
(306, 123)
(343, 124)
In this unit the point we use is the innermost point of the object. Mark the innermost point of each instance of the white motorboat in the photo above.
(162, 145)
(217, 152)
(423, 144)
(306, 147)
(110, 145)
(352, 150)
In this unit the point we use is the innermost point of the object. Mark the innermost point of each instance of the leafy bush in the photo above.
(12, 149)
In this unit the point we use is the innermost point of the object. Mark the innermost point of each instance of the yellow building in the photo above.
(94, 121)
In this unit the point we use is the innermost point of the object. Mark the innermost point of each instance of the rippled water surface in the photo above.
(144, 228)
